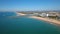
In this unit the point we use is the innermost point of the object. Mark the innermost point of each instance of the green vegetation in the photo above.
(53, 17)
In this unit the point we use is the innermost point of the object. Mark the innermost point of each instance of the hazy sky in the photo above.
(24, 5)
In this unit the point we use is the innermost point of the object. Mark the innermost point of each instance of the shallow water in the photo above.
(25, 25)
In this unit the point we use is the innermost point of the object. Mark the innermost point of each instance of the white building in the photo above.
(43, 15)
(47, 14)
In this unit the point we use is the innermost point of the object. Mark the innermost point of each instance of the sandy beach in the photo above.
(20, 14)
(51, 21)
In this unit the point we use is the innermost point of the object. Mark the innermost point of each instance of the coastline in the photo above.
(21, 14)
(47, 19)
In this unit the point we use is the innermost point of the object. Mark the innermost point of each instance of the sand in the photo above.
(51, 21)
(20, 14)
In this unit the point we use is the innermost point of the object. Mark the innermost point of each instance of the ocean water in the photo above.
(12, 24)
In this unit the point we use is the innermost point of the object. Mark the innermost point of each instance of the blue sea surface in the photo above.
(12, 24)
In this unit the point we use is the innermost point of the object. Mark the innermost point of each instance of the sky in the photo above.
(29, 5)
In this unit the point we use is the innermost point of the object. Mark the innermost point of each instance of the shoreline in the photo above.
(21, 14)
(47, 20)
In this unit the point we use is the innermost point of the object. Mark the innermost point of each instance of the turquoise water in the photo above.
(25, 25)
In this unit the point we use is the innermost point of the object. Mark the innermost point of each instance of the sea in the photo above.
(10, 23)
